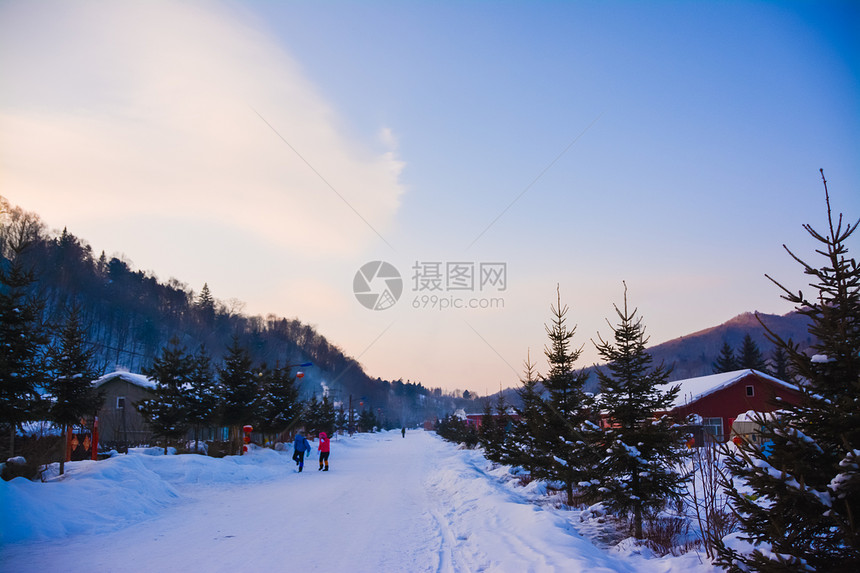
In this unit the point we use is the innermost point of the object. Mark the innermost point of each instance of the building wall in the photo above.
(123, 425)
(729, 402)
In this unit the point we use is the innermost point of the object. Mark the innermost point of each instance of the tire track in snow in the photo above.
(487, 527)
(446, 543)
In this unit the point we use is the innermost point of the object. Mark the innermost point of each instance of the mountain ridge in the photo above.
(693, 355)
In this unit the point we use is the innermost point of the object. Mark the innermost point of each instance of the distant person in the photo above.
(403, 431)
(300, 446)
(324, 448)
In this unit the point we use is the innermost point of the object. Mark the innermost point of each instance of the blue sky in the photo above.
(271, 149)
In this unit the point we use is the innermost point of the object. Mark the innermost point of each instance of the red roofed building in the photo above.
(720, 398)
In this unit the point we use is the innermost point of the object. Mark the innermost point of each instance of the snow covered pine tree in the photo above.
(798, 500)
(638, 473)
(167, 412)
(567, 440)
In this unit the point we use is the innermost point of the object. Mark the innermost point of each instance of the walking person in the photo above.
(403, 431)
(300, 446)
(324, 449)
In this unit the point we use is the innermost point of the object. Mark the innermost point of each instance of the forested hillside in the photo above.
(694, 354)
(129, 315)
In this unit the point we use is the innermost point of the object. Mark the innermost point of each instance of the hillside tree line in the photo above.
(57, 297)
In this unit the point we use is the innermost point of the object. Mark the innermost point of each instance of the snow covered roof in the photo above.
(693, 389)
(753, 416)
(136, 379)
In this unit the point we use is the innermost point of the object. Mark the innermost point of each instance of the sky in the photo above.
(492, 154)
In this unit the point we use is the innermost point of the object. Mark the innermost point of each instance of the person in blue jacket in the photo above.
(300, 446)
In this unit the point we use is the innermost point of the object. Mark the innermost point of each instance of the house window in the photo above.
(120, 402)
(713, 426)
(750, 391)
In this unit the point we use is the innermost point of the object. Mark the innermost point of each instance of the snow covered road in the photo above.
(389, 505)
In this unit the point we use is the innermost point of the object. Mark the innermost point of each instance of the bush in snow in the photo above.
(458, 431)
(707, 502)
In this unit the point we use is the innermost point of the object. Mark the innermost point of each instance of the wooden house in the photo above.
(720, 398)
(120, 424)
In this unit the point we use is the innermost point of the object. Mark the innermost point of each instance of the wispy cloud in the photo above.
(144, 108)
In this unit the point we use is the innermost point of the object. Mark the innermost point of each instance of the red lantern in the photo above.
(95, 451)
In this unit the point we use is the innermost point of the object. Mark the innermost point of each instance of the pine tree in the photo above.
(239, 386)
(341, 419)
(311, 415)
(279, 401)
(367, 421)
(71, 371)
(489, 437)
(726, 362)
(102, 264)
(527, 431)
(568, 436)
(202, 399)
(326, 420)
(22, 334)
(750, 356)
(504, 425)
(779, 365)
(638, 474)
(167, 412)
(22, 339)
(798, 500)
(206, 303)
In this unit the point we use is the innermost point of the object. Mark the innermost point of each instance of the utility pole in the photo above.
(350, 414)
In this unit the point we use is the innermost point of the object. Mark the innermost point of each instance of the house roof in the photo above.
(136, 379)
(693, 389)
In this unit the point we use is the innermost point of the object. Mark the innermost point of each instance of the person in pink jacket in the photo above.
(324, 449)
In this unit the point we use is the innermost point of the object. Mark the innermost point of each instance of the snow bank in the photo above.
(101, 496)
